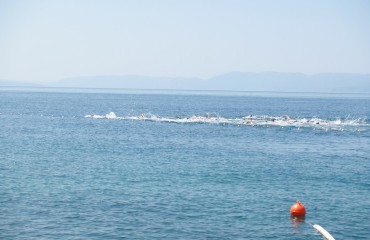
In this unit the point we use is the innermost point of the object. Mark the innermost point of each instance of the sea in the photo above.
(161, 164)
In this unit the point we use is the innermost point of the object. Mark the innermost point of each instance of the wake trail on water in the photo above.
(338, 124)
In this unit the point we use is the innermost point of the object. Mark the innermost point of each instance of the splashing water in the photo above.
(339, 124)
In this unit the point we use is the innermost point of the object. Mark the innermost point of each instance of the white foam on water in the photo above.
(111, 115)
(339, 124)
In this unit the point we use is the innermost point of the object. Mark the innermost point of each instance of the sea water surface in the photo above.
(84, 164)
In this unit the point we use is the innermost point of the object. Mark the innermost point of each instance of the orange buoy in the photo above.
(298, 210)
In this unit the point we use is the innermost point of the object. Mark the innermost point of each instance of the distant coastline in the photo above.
(234, 81)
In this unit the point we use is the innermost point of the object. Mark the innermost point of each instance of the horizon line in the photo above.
(174, 77)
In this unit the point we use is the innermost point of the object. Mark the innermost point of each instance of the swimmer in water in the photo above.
(141, 117)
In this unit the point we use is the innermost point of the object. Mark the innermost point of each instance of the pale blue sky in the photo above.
(50, 40)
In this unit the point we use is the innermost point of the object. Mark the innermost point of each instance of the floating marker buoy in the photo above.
(298, 210)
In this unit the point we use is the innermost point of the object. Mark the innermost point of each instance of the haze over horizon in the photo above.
(45, 41)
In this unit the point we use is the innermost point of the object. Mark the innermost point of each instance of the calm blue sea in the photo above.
(79, 164)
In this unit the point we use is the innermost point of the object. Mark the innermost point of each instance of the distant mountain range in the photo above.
(235, 81)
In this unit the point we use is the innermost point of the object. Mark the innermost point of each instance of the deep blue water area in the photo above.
(170, 165)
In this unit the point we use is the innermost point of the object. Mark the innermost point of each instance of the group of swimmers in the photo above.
(192, 118)
(285, 119)
(248, 120)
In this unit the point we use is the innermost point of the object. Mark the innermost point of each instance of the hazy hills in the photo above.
(235, 81)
